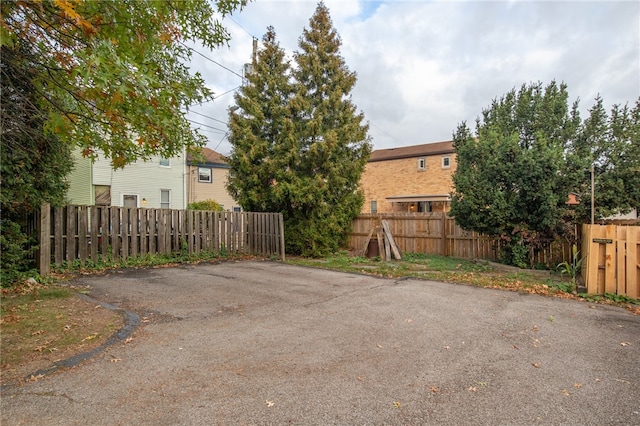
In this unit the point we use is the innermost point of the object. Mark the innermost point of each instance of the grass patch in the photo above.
(454, 270)
(44, 324)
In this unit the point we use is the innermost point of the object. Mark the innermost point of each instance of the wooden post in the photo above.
(45, 239)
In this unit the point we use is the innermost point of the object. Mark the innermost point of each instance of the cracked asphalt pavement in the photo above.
(266, 343)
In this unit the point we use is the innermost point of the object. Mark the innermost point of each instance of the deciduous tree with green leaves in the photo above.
(530, 149)
(113, 75)
(299, 145)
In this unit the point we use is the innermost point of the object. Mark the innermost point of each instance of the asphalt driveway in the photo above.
(257, 343)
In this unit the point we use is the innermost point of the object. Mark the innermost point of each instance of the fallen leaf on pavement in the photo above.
(625, 344)
(270, 403)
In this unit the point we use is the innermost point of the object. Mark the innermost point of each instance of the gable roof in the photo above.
(423, 150)
(210, 157)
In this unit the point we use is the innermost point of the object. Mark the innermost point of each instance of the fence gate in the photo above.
(611, 259)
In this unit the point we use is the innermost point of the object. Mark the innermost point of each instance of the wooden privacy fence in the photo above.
(611, 259)
(85, 233)
(437, 233)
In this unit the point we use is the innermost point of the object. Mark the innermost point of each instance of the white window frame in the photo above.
(168, 206)
(210, 175)
(422, 163)
(446, 159)
(374, 207)
(164, 162)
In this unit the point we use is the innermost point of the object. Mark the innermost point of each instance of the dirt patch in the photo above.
(39, 332)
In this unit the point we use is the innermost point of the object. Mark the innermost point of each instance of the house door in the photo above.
(130, 201)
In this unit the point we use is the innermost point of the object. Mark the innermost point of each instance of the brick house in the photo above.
(409, 179)
(207, 179)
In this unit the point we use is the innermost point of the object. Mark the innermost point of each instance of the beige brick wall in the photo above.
(382, 179)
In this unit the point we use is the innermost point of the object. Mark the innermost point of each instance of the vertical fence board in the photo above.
(44, 230)
(632, 262)
(94, 219)
(125, 223)
(83, 226)
(610, 259)
(59, 241)
(135, 232)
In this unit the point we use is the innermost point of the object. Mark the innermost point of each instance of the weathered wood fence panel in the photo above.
(93, 233)
(611, 259)
(437, 233)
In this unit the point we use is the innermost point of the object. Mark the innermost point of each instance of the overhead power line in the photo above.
(206, 116)
(211, 60)
(206, 125)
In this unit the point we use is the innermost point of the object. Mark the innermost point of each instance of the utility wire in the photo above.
(386, 133)
(206, 125)
(206, 116)
(243, 28)
(211, 60)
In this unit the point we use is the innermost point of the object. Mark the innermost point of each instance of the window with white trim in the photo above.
(204, 175)
(165, 198)
(446, 162)
(374, 207)
(422, 163)
(165, 162)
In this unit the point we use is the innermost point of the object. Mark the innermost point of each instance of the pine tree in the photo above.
(264, 147)
(298, 145)
(333, 140)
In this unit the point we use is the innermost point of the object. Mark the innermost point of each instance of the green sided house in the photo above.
(156, 183)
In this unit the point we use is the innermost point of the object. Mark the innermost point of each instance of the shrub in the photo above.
(209, 205)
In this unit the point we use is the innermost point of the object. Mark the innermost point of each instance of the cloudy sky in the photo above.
(423, 66)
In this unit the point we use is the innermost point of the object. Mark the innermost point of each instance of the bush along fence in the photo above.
(437, 233)
(82, 233)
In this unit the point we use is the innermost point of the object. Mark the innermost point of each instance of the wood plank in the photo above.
(632, 264)
(124, 230)
(167, 230)
(71, 234)
(104, 232)
(380, 245)
(83, 226)
(115, 233)
(44, 263)
(153, 231)
(610, 260)
(94, 217)
(135, 232)
(58, 235)
(144, 232)
(392, 243)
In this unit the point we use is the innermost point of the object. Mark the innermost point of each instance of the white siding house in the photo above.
(156, 183)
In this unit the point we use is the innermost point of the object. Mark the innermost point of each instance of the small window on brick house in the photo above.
(422, 164)
(446, 162)
(374, 207)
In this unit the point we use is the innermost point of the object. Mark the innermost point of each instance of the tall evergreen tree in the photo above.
(298, 145)
(333, 140)
(265, 150)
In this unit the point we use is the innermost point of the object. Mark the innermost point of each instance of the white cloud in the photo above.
(423, 66)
